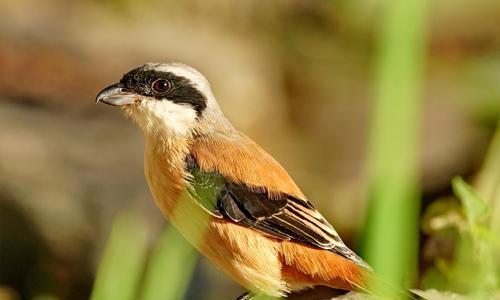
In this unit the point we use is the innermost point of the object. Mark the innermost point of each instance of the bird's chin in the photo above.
(132, 109)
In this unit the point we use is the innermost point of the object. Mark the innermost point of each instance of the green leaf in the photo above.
(476, 210)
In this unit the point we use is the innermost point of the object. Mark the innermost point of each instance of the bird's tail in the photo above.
(379, 286)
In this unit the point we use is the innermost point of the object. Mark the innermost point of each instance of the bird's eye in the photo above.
(161, 86)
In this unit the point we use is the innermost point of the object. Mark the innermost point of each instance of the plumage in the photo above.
(255, 204)
(233, 201)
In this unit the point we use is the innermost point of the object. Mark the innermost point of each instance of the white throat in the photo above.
(164, 117)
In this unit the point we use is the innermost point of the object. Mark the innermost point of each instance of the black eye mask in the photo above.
(180, 89)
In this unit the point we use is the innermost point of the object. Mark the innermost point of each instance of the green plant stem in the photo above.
(170, 268)
(123, 260)
(391, 231)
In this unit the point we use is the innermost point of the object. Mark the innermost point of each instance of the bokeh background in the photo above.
(297, 76)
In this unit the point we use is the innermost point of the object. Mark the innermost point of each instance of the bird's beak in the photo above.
(116, 95)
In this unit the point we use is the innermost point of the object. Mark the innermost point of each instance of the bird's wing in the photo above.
(246, 185)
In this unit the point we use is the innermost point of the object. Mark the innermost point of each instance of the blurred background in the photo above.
(297, 76)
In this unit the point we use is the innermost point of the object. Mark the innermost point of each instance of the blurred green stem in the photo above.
(170, 268)
(123, 260)
(391, 231)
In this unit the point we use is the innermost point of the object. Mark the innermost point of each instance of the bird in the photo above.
(224, 193)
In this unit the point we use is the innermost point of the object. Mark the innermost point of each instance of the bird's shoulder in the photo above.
(239, 159)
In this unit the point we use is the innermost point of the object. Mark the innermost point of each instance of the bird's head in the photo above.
(167, 98)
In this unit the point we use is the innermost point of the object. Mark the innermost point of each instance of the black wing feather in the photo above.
(281, 216)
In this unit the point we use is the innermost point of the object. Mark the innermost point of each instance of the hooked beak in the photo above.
(116, 95)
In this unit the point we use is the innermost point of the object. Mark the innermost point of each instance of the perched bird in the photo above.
(224, 193)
